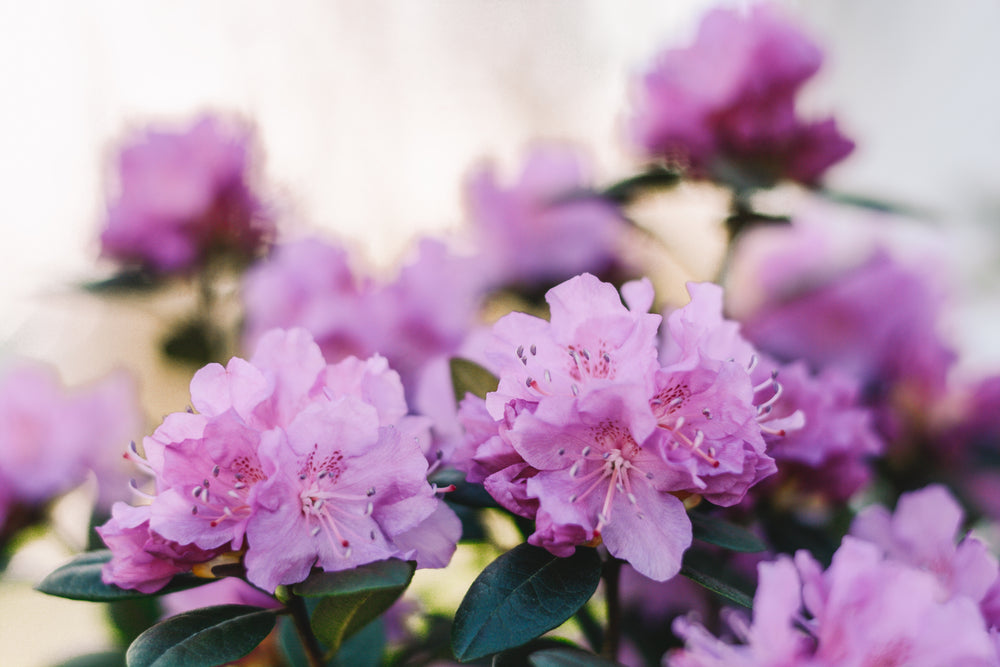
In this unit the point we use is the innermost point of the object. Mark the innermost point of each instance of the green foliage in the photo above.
(711, 572)
(80, 579)
(207, 636)
(714, 530)
(567, 657)
(351, 599)
(469, 377)
(654, 178)
(522, 594)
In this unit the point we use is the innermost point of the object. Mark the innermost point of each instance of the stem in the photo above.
(300, 615)
(612, 635)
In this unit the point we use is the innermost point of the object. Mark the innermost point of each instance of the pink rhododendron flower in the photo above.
(598, 476)
(593, 437)
(727, 102)
(863, 610)
(872, 316)
(141, 558)
(534, 231)
(298, 463)
(922, 532)
(183, 196)
(830, 455)
(422, 315)
(814, 425)
(52, 437)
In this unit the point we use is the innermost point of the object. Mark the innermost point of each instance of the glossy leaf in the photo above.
(351, 599)
(364, 649)
(469, 377)
(80, 579)
(207, 636)
(706, 570)
(522, 594)
(714, 530)
(567, 657)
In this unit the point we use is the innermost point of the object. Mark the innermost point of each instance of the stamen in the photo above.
(753, 363)
(196, 491)
(562, 450)
(548, 375)
(534, 350)
(215, 471)
(707, 413)
(585, 354)
(774, 399)
(315, 531)
(369, 508)
(606, 357)
(519, 352)
(194, 509)
(370, 492)
(586, 451)
(574, 389)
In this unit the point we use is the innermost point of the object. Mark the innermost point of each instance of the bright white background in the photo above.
(370, 112)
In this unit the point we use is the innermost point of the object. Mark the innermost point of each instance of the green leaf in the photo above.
(106, 659)
(125, 283)
(567, 657)
(714, 530)
(80, 579)
(351, 599)
(705, 569)
(364, 649)
(207, 636)
(656, 177)
(522, 594)
(469, 377)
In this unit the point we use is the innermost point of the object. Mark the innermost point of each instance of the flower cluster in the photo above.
(725, 106)
(898, 592)
(184, 196)
(289, 461)
(596, 435)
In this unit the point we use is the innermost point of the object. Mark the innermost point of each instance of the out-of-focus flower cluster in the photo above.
(52, 438)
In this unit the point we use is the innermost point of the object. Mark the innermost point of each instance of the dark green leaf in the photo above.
(106, 659)
(351, 599)
(469, 377)
(714, 530)
(707, 570)
(567, 657)
(364, 649)
(197, 342)
(522, 594)
(126, 282)
(656, 177)
(207, 636)
(133, 616)
(80, 579)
